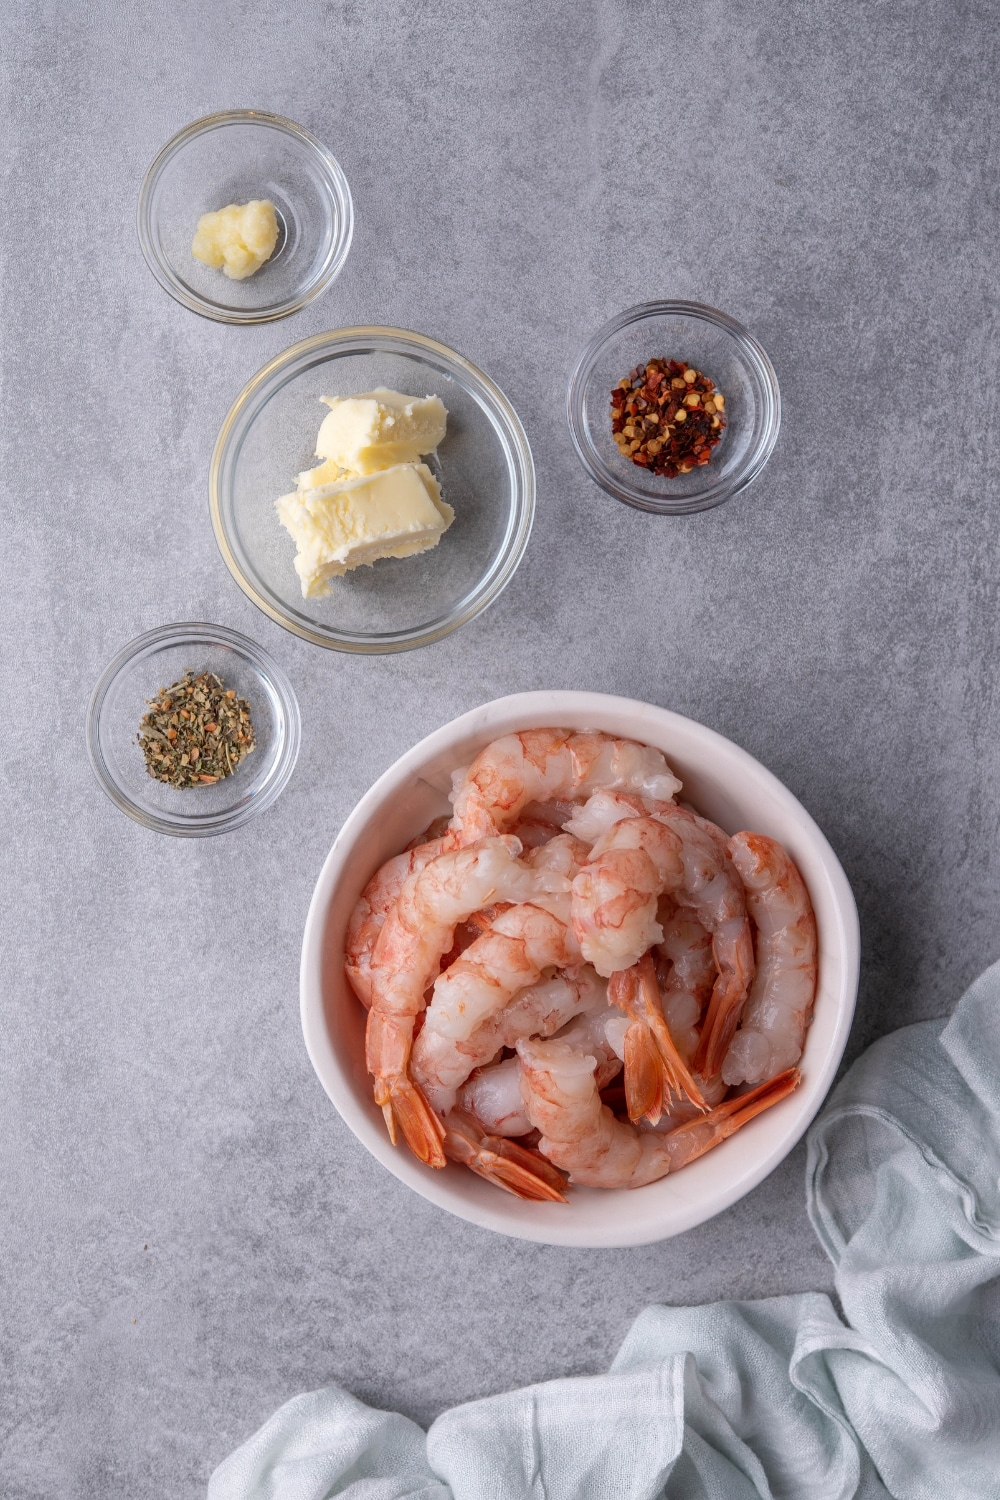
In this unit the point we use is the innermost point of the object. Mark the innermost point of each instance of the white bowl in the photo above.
(724, 783)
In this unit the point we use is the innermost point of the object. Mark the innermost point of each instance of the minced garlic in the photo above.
(237, 239)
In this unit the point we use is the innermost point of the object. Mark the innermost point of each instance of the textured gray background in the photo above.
(189, 1233)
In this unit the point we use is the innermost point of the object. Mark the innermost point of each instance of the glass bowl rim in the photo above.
(521, 507)
(182, 633)
(767, 425)
(337, 185)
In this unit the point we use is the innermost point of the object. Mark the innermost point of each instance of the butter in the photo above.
(322, 476)
(351, 522)
(364, 434)
(237, 239)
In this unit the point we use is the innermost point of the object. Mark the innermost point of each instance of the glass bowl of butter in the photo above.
(244, 217)
(141, 677)
(371, 490)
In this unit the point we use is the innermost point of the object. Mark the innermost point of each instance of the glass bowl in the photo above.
(233, 157)
(484, 467)
(156, 660)
(711, 342)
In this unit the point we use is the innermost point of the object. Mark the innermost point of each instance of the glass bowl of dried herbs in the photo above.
(673, 407)
(193, 730)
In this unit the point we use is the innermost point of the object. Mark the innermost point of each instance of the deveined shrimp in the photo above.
(580, 1134)
(517, 947)
(544, 765)
(777, 1013)
(615, 898)
(513, 953)
(418, 929)
(441, 1064)
(373, 906)
(494, 1096)
(686, 970)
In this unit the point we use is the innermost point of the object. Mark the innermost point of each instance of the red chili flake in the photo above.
(667, 417)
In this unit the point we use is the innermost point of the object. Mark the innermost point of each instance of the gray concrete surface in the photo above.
(189, 1235)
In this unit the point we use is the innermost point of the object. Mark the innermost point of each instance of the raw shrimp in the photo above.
(517, 947)
(493, 1096)
(615, 899)
(440, 1064)
(573, 910)
(681, 1111)
(582, 1136)
(541, 821)
(513, 953)
(418, 929)
(373, 906)
(779, 1008)
(654, 1068)
(601, 1033)
(544, 765)
(686, 970)
(517, 1169)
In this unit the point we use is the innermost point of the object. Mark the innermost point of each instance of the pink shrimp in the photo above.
(417, 931)
(517, 1169)
(373, 906)
(493, 1094)
(493, 1097)
(545, 765)
(580, 1135)
(777, 1013)
(686, 970)
(441, 1064)
(615, 899)
(541, 821)
(655, 1071)
(518, 945)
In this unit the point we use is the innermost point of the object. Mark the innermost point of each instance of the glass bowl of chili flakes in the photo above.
(654, 461)
(140, 687)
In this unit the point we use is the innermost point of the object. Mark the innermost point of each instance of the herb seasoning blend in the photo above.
(196, 731)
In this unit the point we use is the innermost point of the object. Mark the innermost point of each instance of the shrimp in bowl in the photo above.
(580, 981)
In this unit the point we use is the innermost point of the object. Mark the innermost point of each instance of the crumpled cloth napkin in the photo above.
(781, 1399)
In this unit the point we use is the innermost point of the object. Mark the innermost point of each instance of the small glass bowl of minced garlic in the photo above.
(245, 217)
(193, 729)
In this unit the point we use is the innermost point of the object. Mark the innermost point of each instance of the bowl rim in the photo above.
(520, 466)
(195, 632)
(340, 195)
(721, 490)
(568, 707)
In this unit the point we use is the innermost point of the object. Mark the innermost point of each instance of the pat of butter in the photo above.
(320, 478)
(237, 239)
(345, 524)
(381, 428)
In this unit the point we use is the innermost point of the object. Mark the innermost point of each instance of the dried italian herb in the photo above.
(667, 417)
(196, 731)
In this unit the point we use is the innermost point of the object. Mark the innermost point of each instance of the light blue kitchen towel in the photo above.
(784, 1399)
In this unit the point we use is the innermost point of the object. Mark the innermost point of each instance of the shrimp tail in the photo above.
(637, 992)
(644, 1078)
(403, 1104)
(388, 1042)
(692, 1140)
(516, 1169)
